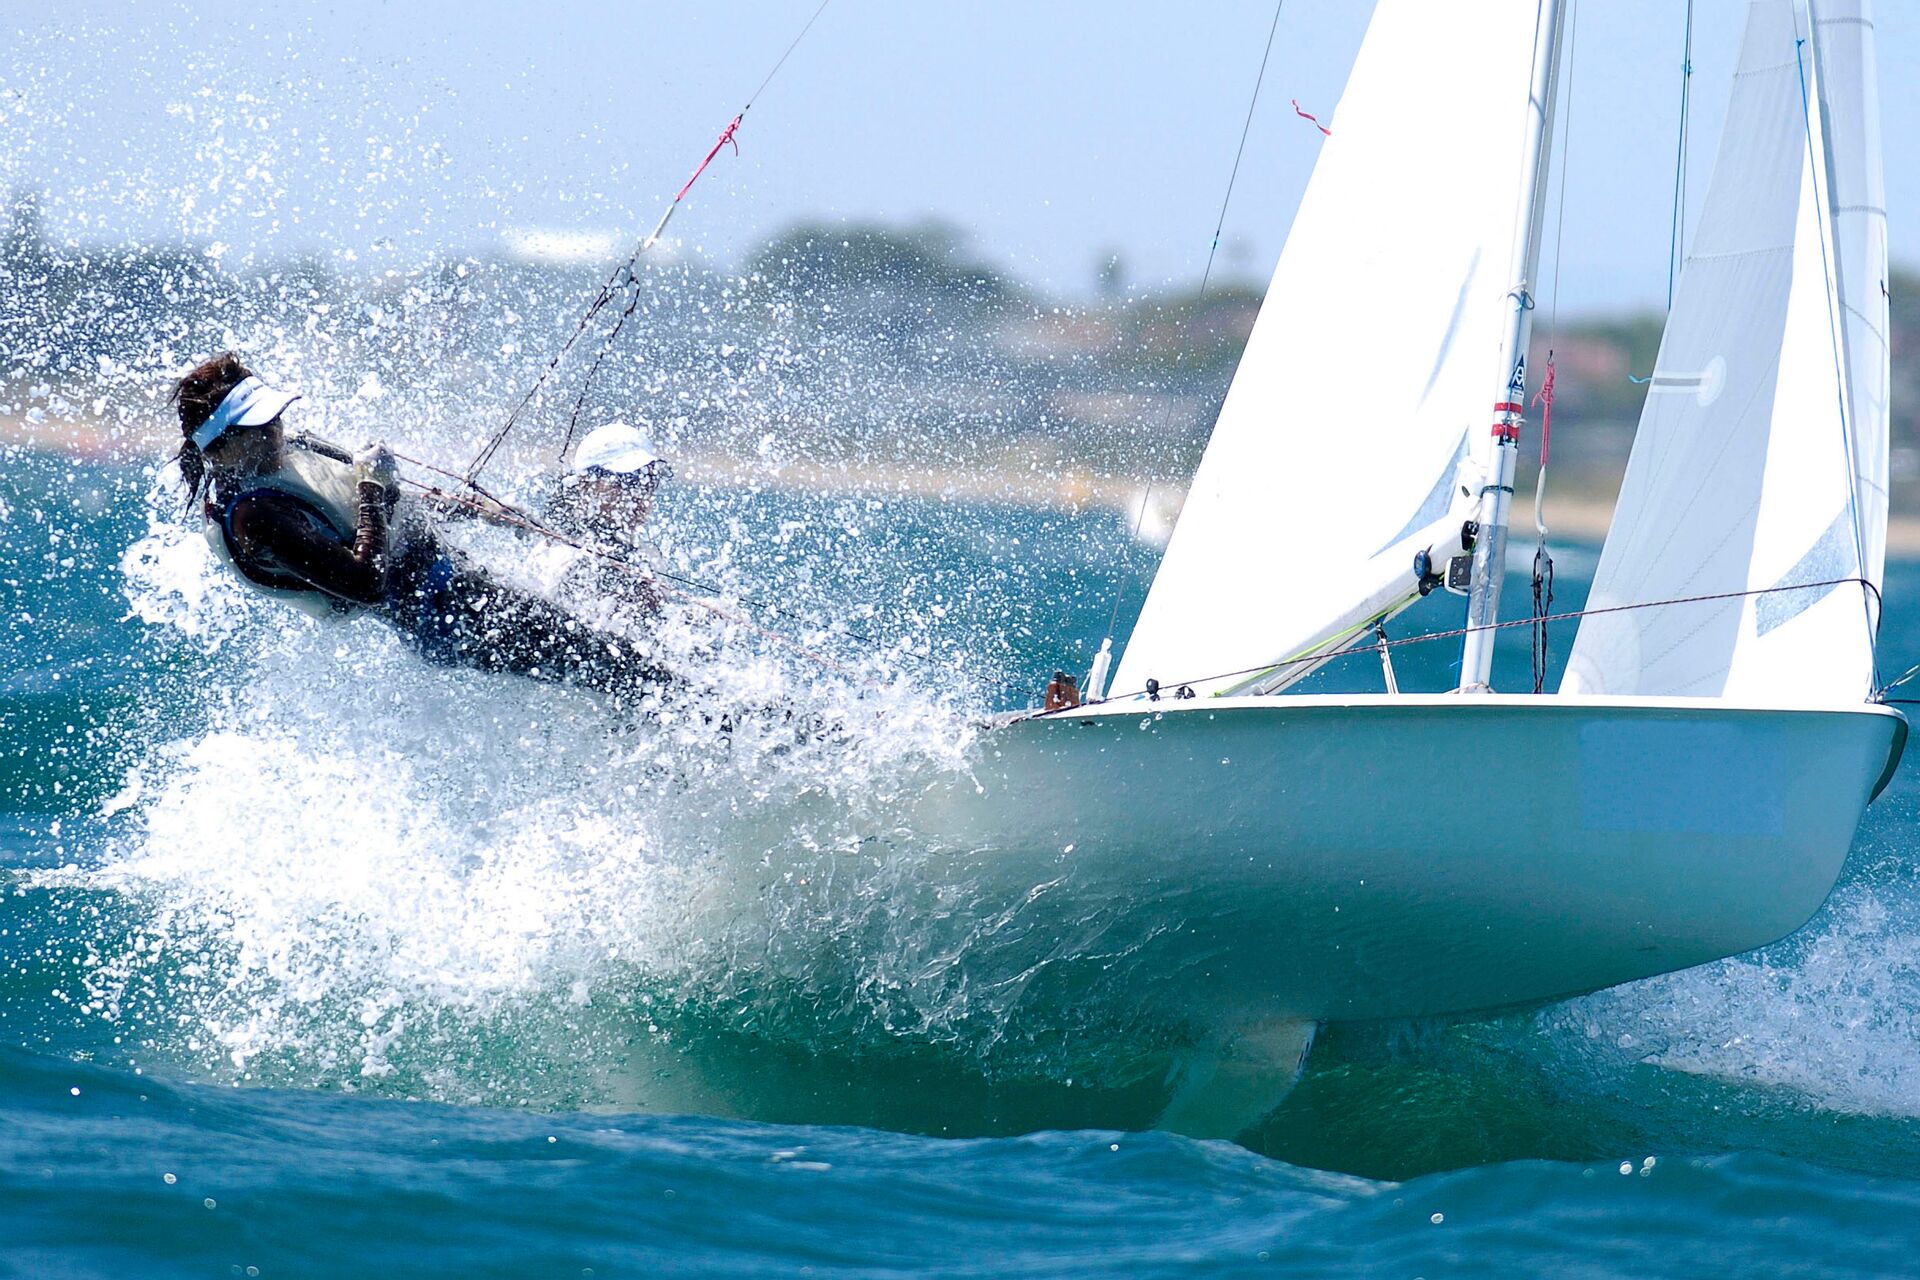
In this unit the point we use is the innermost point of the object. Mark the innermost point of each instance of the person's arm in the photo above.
(471, 506)
(445, 507)
(268, 529)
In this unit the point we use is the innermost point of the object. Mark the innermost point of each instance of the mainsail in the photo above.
(1336, 452)
(1759, 470)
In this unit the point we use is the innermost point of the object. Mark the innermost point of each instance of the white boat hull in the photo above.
(1321, 858)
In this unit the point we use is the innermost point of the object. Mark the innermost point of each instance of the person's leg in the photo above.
(459, 616)
(505, 629)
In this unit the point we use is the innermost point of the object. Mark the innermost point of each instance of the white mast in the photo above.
(1503, 448)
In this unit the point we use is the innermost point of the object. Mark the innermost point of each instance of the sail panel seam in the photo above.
(1731, 255)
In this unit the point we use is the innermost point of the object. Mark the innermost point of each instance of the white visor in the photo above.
(615, 447)
(251, 404)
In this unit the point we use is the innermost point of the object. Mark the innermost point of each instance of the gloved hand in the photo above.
(375, 464)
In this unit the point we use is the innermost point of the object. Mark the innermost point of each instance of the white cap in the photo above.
(251, 404)
(616, 447)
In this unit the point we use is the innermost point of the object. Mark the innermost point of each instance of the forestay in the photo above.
(1742, 476)
(1334, 457)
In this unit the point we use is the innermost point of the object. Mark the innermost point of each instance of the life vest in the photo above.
(325, 493)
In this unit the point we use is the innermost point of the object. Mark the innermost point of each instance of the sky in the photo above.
(1056, 135)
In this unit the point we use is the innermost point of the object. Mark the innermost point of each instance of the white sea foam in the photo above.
(356, 846)
(1831, 1015)
(341, 865)
(171, 580)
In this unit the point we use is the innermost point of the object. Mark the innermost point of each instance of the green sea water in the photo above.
(320, 962)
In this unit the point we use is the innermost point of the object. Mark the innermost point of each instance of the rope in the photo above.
(624, 280)
(1542, 608)
(1460, 632)
(1544, 402)
(726, 136)
(1542, 559)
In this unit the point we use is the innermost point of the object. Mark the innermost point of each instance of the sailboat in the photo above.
(1692, 787)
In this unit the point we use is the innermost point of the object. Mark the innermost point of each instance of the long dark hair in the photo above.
(196, 396)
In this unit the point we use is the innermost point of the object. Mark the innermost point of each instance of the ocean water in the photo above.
(321, 962)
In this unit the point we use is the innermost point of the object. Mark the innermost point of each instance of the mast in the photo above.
(1503, 447)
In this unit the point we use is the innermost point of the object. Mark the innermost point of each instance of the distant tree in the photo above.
(28, 287)
(1903, 289)
(25, 245)
(1186, 329)
(871, 263)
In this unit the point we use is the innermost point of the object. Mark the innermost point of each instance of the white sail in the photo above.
(1741, 478)
(1335, 454)
(1850, 91)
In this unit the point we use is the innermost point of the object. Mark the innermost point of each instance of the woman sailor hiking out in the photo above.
(338, 539)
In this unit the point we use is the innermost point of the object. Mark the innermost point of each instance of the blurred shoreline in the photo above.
(1582, 516)
(843, 358)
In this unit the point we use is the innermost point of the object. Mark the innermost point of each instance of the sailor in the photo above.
(1063, 691)
(611, 486)
(604, 500)
(338, 539)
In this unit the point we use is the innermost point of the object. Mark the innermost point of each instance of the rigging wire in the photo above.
(1370, 646)
(512, 517)
(1240, 150)
(1206, 277)
(1904, 676)
(1677, 222)
(497, 510)
(1542, 559)
(625, 281)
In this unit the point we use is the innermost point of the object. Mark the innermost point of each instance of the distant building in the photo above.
(555, 247)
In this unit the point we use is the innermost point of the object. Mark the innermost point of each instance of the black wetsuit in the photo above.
(450, 611)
